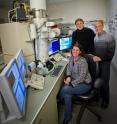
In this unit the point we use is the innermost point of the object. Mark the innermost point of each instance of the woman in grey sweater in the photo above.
(78, 81)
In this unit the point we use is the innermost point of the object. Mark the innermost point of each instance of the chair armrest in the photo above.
(97, 84)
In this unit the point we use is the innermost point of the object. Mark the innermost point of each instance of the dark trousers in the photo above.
(105, 75)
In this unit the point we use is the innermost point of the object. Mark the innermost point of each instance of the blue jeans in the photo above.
(66, 93)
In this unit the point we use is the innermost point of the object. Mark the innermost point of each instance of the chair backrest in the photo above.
(94, 71)
(93, 68)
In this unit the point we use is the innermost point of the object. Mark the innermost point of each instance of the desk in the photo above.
(41, 105)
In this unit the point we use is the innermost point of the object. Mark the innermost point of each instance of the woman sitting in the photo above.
(77, 81)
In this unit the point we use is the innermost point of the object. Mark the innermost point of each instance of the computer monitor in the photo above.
(65, 43)
(53, 47)
(20, 59)
(13, 91)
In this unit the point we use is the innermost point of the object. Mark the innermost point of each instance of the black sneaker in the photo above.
(65, 121)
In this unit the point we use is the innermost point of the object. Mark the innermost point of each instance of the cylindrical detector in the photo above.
(40, 13)
(33, 31)
(38, 4)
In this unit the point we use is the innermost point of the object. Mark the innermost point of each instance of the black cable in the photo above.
(36, 61)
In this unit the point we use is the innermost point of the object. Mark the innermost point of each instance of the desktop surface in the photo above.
(38, 98)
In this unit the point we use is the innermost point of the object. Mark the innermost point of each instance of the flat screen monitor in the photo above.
(13, 90)
(20, 59)
(65, 43)
(53, 47)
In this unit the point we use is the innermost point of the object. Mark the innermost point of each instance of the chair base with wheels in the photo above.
(82, 110)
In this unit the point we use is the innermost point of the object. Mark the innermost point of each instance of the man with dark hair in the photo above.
(84, 36)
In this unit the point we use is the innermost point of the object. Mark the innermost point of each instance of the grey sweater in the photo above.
(104, 46)
(79, 71)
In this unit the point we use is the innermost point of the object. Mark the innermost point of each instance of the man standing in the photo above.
(84, 36)
(104, 45)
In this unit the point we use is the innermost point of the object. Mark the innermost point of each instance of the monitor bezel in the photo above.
(20, 51)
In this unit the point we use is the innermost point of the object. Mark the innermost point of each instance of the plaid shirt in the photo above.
(78, 71)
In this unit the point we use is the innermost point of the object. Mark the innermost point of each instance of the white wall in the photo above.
(113, 8)
(86, 9)
(13, 37)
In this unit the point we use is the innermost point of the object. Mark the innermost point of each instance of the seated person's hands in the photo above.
(67, 80)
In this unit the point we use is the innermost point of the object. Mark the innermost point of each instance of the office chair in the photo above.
(93, 96)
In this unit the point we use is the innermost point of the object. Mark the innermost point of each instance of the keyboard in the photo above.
(37, 81)
(56, 70)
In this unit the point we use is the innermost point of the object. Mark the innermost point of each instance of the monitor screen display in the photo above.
(19, 91)
(53, 47)
(65, 43)
(21, 63)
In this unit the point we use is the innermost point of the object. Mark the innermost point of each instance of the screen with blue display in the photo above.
(13, 92)
(65, 43)
(53, 47)
(21, 63)
(19, 91)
